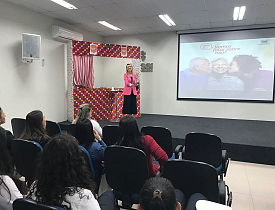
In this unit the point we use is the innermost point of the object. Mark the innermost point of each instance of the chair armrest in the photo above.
(222, 192)
(178, 149)
(229, 196)
(225, 161)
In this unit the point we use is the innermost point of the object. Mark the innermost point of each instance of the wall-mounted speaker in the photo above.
(31, 46)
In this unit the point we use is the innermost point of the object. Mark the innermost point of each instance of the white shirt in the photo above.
(5, 199)
(83, 201)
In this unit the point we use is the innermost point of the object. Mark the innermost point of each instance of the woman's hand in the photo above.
(97, 135)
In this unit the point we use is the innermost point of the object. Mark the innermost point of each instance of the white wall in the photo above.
(24, 88)
(158, 89)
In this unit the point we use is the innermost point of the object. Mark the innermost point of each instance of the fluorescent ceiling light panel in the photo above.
(167, 20)
(236, 13)
(109, 25)
(64, 4)
(239, 13)
(242, 11)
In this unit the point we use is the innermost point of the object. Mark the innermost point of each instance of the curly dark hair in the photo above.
(247, 63)
(61, 171)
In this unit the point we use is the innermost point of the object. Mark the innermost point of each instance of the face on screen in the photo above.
(220, 66)
(234, 67)
(205, 67)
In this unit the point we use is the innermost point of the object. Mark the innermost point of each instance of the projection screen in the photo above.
(227, 66)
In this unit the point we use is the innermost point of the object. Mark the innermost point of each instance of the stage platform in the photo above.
(245, 140)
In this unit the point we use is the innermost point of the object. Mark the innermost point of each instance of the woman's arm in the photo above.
(159, 154)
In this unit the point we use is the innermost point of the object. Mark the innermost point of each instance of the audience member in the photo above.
(8, 189)
(90, 139)
(159, 194)
(63, 178)
(130, 136)
(85, 112)
(9, 135)
(35, 128)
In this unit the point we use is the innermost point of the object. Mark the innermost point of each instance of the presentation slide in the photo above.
(229, 68)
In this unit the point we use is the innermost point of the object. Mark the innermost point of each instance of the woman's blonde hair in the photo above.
(126, 68)
(83, 112)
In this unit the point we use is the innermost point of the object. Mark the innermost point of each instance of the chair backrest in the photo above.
(88, 160)
(203, 147)
(24, 157)
(126, 169)
(193, 177)
(71, 129)
(18, 125)
(162, 136)
(110, 134)
(29, 204)
(52, 128)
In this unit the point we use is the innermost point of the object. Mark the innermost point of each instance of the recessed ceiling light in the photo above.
(64, 4)
(109, 25)
(167, 20)
(239, 13)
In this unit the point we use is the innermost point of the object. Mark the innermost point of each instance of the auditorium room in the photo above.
(137, 104)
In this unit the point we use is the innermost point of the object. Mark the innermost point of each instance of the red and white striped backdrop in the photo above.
(83, 75)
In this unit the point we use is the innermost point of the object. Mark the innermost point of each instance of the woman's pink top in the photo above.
(128, 81)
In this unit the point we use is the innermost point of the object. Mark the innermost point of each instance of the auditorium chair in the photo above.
(18, 125)
(162, 136)
(29, 204)
(52, 128)
(110, 134)
(25, 154)
(71, 129)
(205, 148)
(126, 172)
(197, 177)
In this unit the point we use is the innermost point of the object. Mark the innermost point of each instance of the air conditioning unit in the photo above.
(65, 35)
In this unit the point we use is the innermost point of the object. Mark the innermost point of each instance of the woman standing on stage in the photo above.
(130, 92)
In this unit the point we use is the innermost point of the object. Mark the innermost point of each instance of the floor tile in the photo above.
(262, 189)
(261, 203)
(236, 170)
(238, 185)
(242, 202)
(260, 172)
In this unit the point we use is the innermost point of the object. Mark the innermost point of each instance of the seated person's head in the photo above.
(2, 117)
(84, 112)
(35, 123)
(61, 171)
(158, 193)
(84, 133)
(129, 134)
(5, 159)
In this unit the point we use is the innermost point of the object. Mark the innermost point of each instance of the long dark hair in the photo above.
(84, 133)
(158, 194)
(34, 129)
(5, 160)
(129, 134)
(61, 171)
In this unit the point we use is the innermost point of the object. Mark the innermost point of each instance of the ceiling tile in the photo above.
(200, 25)
(222, 24)
(244, 22)
(136, 9)
(113, 11)
(253, 11)
(181, 27)
(265, 21)
(46, 5)
(249, 2)
(145, 30)
(28, 5)
(129, 31)
(162, 28)
(193, 5)
(219, 4)
(132, 23)
(51, 14)
(152, 21)
(98, 2)
(83, 15)
(268, 11)
(193, 17)
(96, 26)
(112, 33)
(221, 14)
(162, 7)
